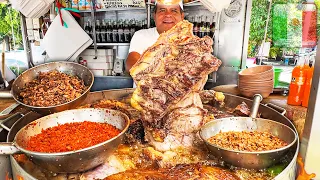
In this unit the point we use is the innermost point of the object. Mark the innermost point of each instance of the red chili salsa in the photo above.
(71, 137)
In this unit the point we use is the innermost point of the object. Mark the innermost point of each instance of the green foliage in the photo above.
(258, 19)
(6, 23)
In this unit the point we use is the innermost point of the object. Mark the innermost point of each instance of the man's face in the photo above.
(166, 16)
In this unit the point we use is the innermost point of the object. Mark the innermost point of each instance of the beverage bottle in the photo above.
(88, 28)
(212, 28)
(307, 87)
(297, 83)
(109, 32)
(207, 28)
(145, 26)
(196, 26)
(133, 27)
(202, 27)
(126, 31)
(115, 32)
(103, 32)
(98, 32)
(120, 32)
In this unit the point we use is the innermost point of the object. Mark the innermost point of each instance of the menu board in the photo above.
(123, 3)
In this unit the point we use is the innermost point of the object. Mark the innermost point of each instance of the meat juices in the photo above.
(169, 76)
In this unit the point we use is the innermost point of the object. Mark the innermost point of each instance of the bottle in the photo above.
(126, 31)
(307, 87)
(196, 26)
(98, 32)
(132, 27)
(109, 32)
(120, 31)
(202, 27)
(88, 28)
(103, 32)
(297, 84)
(114, 32)
(207, 29)
(212, 28)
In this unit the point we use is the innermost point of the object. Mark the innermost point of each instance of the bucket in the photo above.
(276, 76)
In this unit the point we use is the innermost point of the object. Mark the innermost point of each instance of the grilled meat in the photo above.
(182, 172)
(177, 64)
(169, 76)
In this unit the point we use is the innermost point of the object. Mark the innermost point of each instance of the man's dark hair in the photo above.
(155, 9)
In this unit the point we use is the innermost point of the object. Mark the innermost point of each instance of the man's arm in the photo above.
(132, 58)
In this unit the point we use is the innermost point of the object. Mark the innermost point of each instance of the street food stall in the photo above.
(74, 114)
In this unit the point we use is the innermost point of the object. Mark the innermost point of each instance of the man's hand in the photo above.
(132, 58)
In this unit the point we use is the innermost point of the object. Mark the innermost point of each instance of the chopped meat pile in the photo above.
(52, 88)
(247, 141)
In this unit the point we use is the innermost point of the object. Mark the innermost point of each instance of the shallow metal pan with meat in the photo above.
(69, 68)
(254, 159)
(230, 101)
(71, 161)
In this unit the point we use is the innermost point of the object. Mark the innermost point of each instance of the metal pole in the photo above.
(310, 143)
(265, 29)
(148, 13)
(246, 35)
(26, 43)
(93, 24)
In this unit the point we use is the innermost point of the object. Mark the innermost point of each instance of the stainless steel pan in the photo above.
(250, 160)
(72, 161)
(70, 68)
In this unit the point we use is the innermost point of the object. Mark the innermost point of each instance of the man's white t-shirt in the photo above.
(143, 39)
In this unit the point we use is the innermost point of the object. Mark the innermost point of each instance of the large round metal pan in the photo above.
(71, 161)
(69, 68)
(230, 100)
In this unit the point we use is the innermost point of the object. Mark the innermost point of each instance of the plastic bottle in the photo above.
(297, 84)
(307, 87)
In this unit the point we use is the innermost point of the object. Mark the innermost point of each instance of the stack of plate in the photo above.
(256, 80)
(32, 8)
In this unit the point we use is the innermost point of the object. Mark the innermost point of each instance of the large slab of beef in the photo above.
(169, 76)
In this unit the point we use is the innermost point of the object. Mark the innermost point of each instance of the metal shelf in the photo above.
(193, 3)
(189, 4)
(112, 9)
(113, 44)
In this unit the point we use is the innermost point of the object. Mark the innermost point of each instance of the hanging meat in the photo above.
(169, 76)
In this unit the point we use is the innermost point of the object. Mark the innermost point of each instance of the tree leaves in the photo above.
(6, 23)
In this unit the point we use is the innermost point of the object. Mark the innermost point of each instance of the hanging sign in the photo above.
(123, 3)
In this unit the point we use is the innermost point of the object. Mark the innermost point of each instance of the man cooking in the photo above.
(167, 13)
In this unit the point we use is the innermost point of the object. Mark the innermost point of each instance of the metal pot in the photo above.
(69, 68)
(289, 173)
(72, 161)
(249, 160)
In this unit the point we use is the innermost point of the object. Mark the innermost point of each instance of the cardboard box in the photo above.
(36, 35)
(100, 59)
(30, 34)
(100, 52)
(97, 72)
(101, 66)
(36, 23)
(29, 23)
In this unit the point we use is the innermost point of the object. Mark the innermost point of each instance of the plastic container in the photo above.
(297, 84)
(277, 73)
(307, 88)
